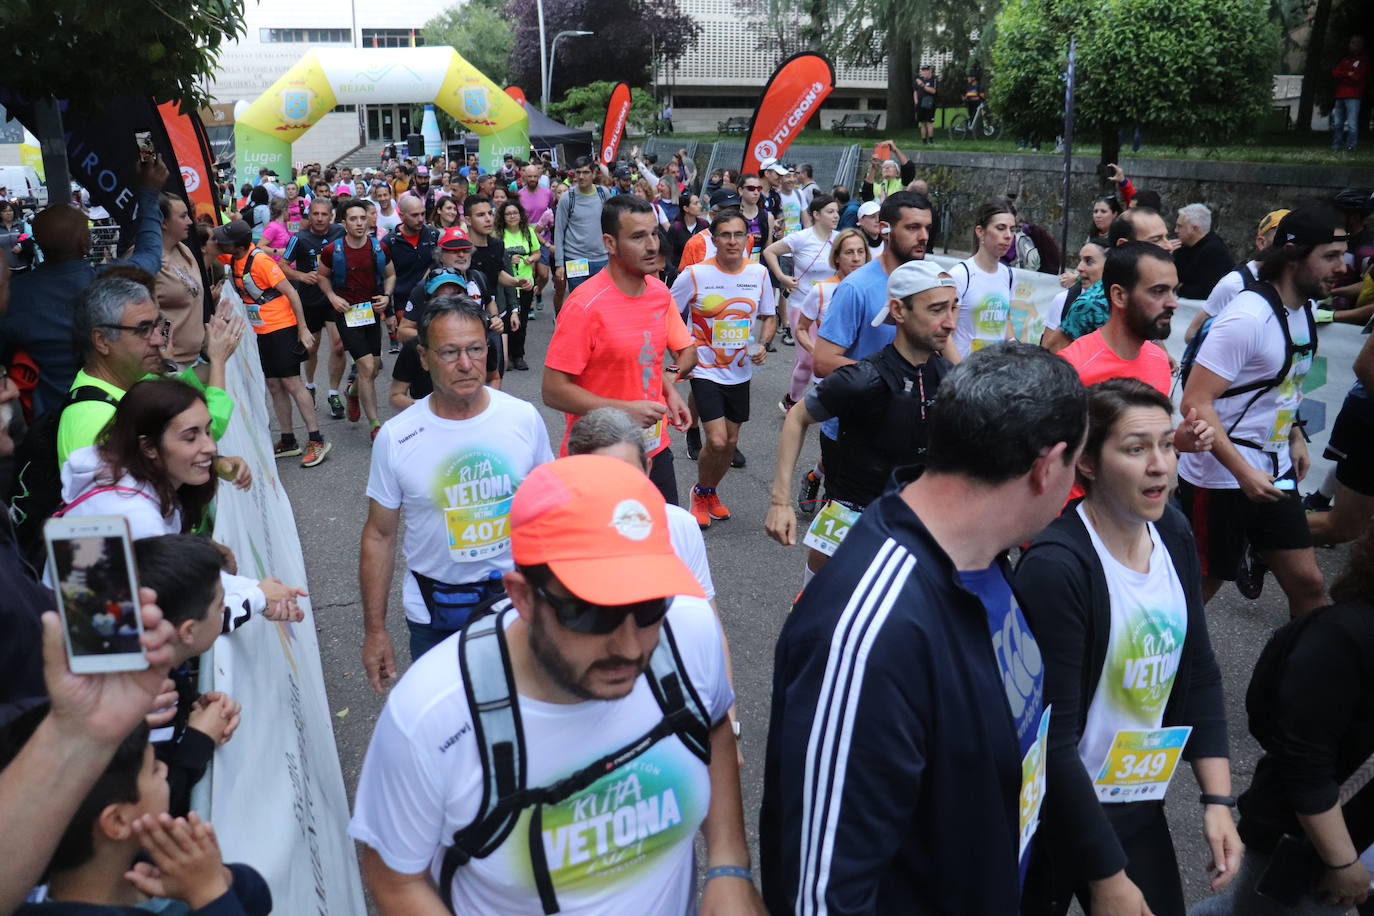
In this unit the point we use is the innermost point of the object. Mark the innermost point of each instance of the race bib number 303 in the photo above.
(730, 333)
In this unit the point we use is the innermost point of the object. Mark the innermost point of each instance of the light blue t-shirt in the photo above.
(848, 320)
(1018, 657)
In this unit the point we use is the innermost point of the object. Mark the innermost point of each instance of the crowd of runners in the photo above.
(998, 653)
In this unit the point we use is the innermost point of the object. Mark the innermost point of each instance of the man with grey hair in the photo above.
(452, 461)
(611, 431)
(1202, 257)
(120, 334)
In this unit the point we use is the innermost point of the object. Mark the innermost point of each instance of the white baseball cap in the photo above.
(911, 278)
(869, 208)
(772, 165)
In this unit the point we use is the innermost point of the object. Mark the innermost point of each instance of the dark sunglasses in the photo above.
(599, 619)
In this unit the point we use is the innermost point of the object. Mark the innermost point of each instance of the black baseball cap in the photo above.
(724, 199)
(233, 234)
(1310, 226)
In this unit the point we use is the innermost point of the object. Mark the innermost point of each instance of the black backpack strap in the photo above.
(676, 696)
(484, 661)
(501, 749)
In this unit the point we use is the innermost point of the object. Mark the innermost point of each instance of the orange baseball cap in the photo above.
(602, 527)
(1271, 221)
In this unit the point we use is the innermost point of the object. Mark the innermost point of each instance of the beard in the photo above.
(1147, 328)
(562, 671)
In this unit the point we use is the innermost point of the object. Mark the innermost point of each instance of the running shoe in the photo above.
(714, 506)
(314, 453)
(395, 346)
(787, 340)
(1316, 502)
(520, 365)
(807, 497)
(693, 442)
(283, 449)
(1250, 573)
(336, 407)
(355, 406)
(700, 510)
(738, 461)
(786, 404)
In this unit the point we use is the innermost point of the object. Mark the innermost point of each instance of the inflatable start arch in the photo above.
(322, 79)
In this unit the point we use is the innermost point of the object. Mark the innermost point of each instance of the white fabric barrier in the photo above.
(275, 793)
(1331, 376)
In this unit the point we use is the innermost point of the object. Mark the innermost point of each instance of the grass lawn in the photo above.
(1311, 148)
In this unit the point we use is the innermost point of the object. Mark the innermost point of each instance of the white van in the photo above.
(23, 183)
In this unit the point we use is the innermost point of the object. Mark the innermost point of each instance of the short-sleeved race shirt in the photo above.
(454, 480)
(1096, 362)
(303, 253)
(984, 305)
(724, 306)
(265, 273)
(613, 345)
(810, 257)
(622, 845)
(362, 280)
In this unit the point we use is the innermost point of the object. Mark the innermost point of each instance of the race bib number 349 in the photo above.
(1140, 764)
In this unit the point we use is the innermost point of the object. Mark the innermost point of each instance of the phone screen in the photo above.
(146, 149)
(97, 595)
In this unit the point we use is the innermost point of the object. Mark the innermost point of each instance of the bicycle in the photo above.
(980, 126)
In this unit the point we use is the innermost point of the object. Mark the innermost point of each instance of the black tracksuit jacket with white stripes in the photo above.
(893, 769)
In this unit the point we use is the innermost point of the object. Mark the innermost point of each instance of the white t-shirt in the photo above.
(385, 223)
(1227, 288)
(810, 258)
(690, 546)
(793, 205)
(623, 845)
(455, 479)
(1245, 344)
(1149, 624)
(984, 305)
(1054, 315)
(724, 306)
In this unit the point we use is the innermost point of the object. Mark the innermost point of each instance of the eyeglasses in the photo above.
(449, 355)
(598, 619)
(144, 329)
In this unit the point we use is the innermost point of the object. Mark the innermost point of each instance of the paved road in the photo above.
(755, 580)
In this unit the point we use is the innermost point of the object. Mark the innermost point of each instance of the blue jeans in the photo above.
(424, 637)
(1345, 123)
(593, 268)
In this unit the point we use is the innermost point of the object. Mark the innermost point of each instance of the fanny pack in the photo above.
(452, 606)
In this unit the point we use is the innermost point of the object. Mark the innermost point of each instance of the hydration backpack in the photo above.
(489, 684)
(1258, 386)
(248, 287)
(36, 492)
(338, 271)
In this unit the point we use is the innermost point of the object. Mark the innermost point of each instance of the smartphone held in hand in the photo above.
(91, 561)
(146, 150)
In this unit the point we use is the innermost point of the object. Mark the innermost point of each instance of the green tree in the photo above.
(85, 53)
(479, 32)
(1198, 70)
(891, 33)
(587, 105)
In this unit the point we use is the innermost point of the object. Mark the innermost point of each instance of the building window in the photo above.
(307, 36)
(344, 108)
(393, 38)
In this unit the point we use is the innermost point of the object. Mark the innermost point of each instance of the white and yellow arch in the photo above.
(322, 79)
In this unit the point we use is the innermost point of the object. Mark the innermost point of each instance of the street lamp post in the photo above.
(543, 61)
(553, 59)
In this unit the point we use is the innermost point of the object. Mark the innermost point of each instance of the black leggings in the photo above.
(1151, 865)
(523, 300)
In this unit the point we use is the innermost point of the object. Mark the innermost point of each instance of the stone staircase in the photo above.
(364, 157)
